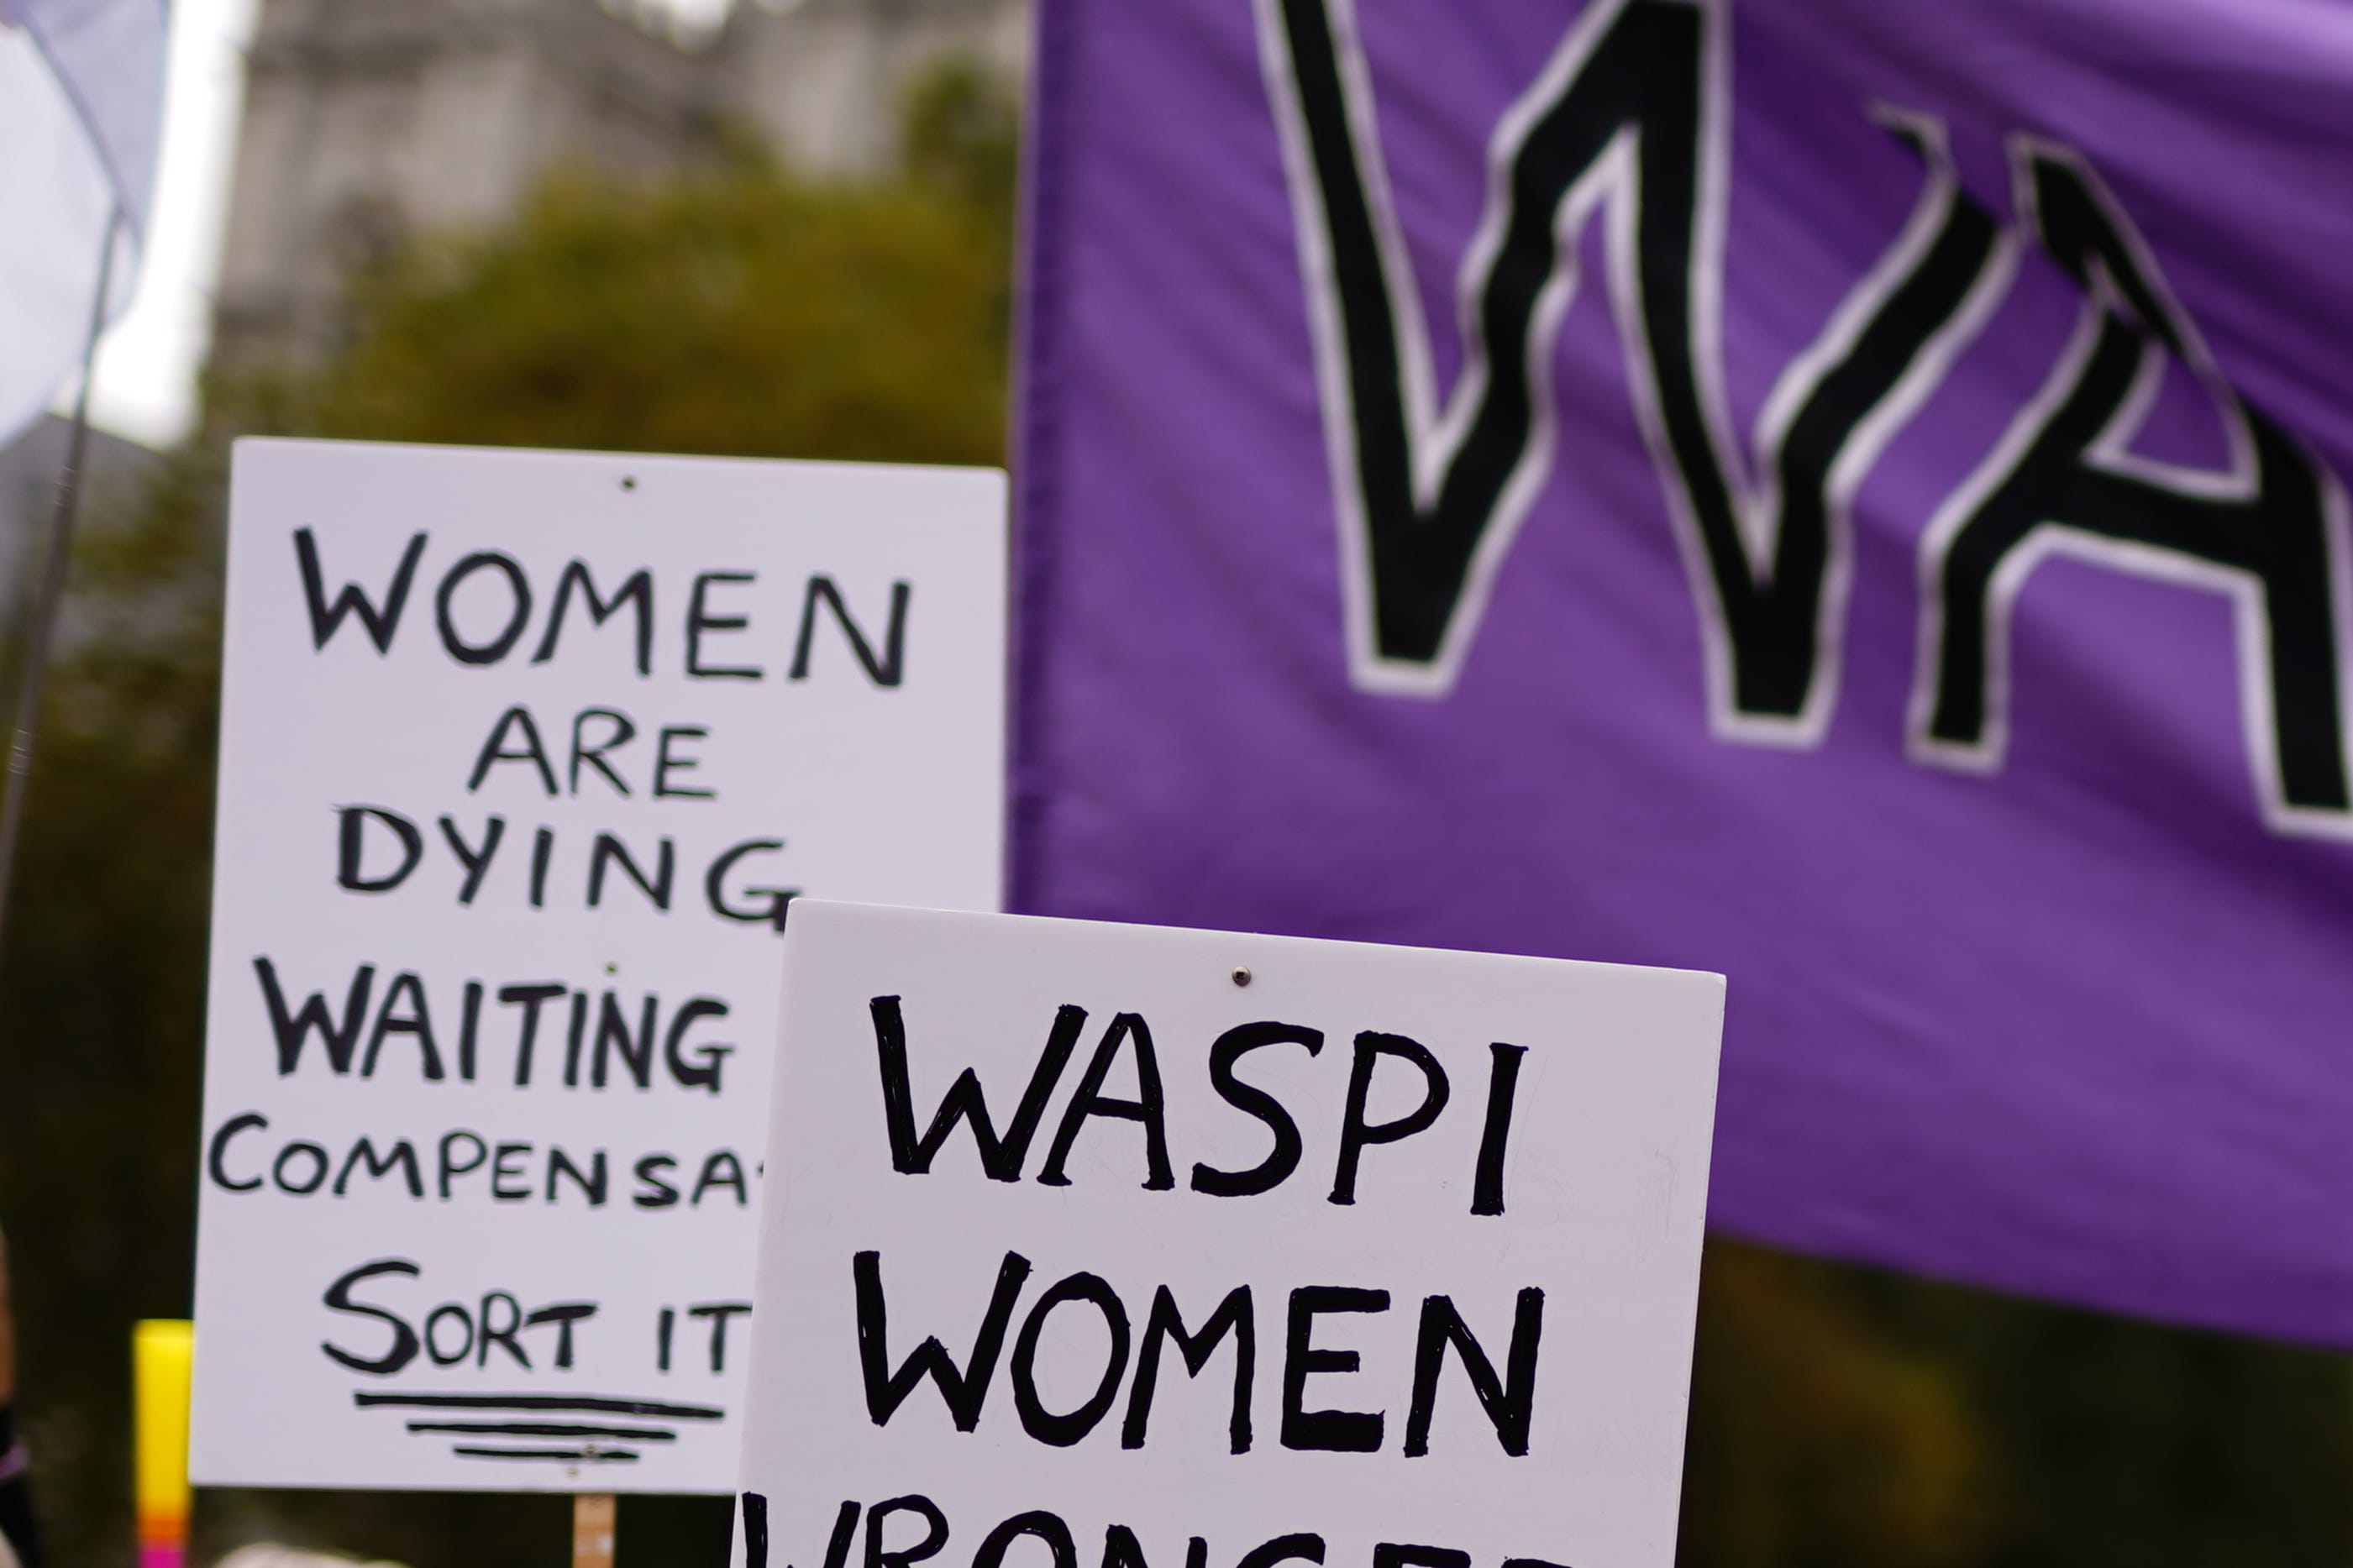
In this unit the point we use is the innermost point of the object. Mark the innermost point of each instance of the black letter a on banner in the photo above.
(2066, 480)
(1630, 112)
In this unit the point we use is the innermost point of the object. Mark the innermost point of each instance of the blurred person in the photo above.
(19, 1542)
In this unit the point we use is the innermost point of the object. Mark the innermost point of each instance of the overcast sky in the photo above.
(147, 363)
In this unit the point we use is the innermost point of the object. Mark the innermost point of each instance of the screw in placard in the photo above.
(1242, 974)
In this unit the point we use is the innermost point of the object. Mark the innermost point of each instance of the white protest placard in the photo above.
(1107, 1246)
(523, 755)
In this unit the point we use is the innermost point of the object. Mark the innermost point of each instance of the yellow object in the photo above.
(163, 1361)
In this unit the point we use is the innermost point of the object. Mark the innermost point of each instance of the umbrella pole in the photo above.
(42, 632)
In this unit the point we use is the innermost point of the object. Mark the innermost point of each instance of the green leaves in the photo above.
(745, 313)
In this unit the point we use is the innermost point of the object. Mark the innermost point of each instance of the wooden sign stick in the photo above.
(592, 1529)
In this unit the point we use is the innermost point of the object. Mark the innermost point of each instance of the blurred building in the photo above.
(369, 120)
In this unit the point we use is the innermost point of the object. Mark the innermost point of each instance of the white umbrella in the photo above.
(81, 99)
(81, 92)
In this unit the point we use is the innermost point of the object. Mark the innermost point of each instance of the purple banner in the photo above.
(1843, 494)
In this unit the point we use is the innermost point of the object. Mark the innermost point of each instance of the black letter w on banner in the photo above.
(1630, 114)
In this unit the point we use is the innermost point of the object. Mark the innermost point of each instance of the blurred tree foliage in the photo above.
(745, 313)
(103, 991)
(1840, 1416)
